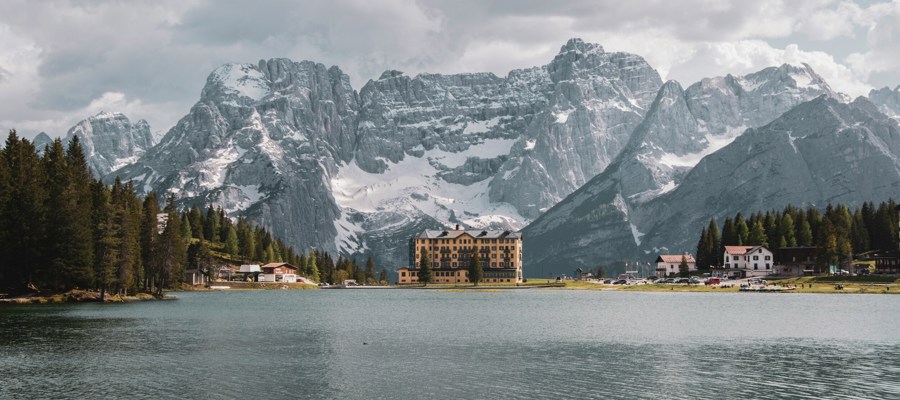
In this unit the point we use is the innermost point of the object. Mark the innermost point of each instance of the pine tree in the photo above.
(24, 214)
(715, 250)
(742, 230)
(186, 231)
(786, 230)
(476, 272)
(382, 279)
(231, 242)
(804, 234)
(105, 245)
(370, 269)
(424, 273)
(312, 268)
(303, 264)
(211, 225)
(757, 236)
(683, 267)
(703, 250)
(270, 254)
(148, 239)
(859, 235)
(172, 254)
(195, 217)
(247, 243)
(729, 234)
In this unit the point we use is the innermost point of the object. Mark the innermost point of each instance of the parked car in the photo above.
(620, 282)
(713, 281)
(607, 281)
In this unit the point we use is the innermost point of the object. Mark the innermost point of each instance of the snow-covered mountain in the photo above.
(819, 151)
(681, 127)
(111, 140)
(293, 146)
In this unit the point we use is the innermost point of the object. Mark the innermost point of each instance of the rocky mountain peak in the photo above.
(391, 73)
(578, 45)
(887, 101)
(40, 140)
(111, 140)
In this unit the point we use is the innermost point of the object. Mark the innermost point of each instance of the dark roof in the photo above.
(276, 265)
(675, 258)
(477, 234)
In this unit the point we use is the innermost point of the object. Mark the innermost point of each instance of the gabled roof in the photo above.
(279, 264)
(675, 258)
(477, 234)
(741, 250)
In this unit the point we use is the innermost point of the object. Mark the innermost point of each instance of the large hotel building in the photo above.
(450, 254)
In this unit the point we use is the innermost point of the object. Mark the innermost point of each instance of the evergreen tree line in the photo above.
(62, 229)
(838, 233)
(337, 272)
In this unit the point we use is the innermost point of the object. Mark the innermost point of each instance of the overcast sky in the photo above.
(61, 61)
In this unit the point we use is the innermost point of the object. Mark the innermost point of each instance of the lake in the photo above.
(422, 344)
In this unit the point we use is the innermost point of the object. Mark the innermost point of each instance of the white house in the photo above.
(749, 261)
(278, 272)
(669, 264)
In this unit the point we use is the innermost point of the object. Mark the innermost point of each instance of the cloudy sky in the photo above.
(61, 61)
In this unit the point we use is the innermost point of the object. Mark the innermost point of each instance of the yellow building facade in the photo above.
(450, 254)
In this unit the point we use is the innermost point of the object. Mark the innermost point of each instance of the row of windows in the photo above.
(746, 258)
(755, 266)
(467, 249)
(468, 241)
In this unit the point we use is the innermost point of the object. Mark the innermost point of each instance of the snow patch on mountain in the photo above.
(413, 185)
(244, 79)
(562, 116)
(480, 126)
(713, 144)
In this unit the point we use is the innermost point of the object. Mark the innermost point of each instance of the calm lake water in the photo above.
(421, 344)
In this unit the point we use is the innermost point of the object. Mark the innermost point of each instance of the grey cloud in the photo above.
(161, 52)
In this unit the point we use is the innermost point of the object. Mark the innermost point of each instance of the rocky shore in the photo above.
(79, 296)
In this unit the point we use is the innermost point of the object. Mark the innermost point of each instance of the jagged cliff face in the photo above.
(887, 101)
(293, 146)
(820, 151)
(261, 142)
(111, 141)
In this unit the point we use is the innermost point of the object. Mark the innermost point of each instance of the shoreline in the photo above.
(80, 296)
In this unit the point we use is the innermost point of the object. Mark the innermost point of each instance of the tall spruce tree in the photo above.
(757, 236)
(24, 213)
(370, 269)
(313, 268)
(424, 273)
(703, 250)
(475, 271)
(231, 242)
(715, 245)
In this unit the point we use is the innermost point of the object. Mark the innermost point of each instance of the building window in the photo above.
(755, 258)
(755, 266)
(403, 273)
(767, 265)
(769, 258)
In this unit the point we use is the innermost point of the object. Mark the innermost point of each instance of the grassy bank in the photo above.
(802, 285)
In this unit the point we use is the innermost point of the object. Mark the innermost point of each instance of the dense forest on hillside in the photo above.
(839, 233)
(62, 229)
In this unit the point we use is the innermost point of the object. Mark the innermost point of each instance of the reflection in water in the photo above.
(427, 344)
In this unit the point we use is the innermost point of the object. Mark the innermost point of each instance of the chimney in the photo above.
(457, 226)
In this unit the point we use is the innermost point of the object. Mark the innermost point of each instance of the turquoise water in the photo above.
(420, 344)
